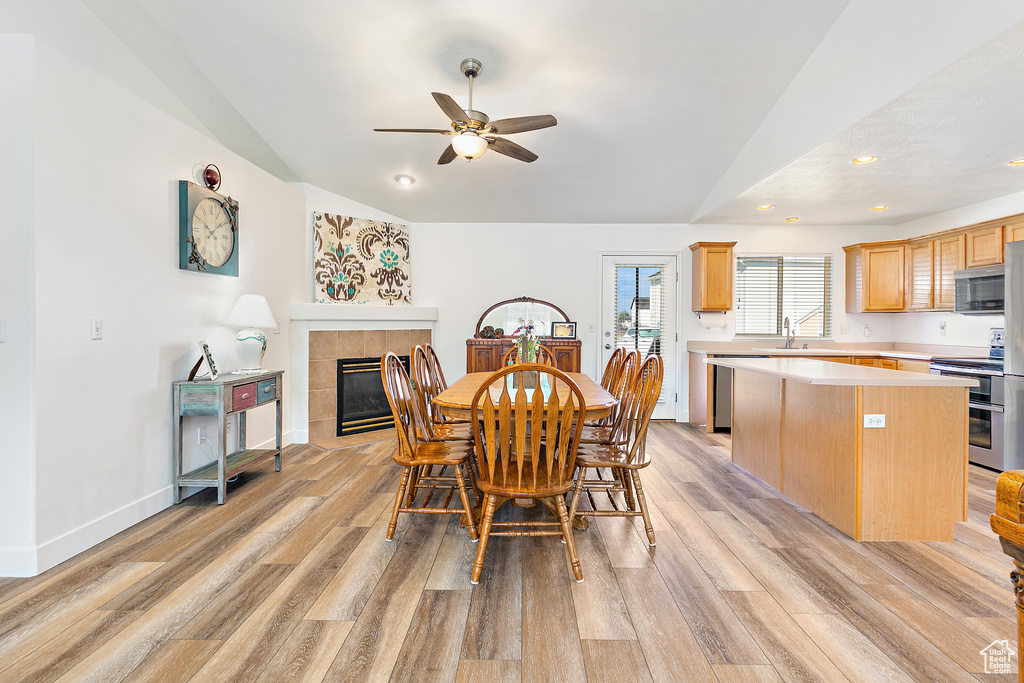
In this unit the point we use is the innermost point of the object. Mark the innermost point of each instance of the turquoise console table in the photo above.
(221, 397)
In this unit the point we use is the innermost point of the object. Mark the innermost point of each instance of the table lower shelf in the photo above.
(235, 463)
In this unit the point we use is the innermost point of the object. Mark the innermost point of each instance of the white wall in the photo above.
(17, 295)
(961, 330)
(462, 269)
(105, 235)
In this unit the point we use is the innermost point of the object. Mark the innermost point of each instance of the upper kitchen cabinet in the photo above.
(949, 257)
(920, 275)
(712, 276)
(875, 277)
(985, 246)
(1014, 230)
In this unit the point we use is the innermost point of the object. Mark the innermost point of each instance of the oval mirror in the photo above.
(507, 314)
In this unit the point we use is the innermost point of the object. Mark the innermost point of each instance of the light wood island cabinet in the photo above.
(712, 276)
(875, 276)
(799, 426)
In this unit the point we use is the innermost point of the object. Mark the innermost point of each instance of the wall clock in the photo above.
(207, 230)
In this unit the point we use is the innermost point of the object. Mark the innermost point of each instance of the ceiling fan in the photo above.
(472, 132)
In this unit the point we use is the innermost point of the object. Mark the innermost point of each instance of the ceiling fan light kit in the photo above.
(472, 132)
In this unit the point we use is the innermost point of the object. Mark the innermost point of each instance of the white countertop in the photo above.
(826, 372)
(831, 351)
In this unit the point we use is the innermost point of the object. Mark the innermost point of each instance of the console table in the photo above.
(221, 397)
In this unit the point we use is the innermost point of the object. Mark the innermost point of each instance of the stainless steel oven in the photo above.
(985, 406)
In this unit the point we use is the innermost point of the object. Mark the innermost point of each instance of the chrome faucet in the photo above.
(790, 338)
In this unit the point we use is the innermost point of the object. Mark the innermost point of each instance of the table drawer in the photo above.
(266, 390)
(243, 396)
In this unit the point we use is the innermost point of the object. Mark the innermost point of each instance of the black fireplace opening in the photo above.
(362, 403)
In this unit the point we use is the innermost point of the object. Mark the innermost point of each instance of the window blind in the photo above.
(639, 308)
(772, 288)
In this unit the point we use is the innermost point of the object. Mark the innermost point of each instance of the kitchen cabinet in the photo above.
(1014, 232)
(875, 362)
(875, 276)
(922, 366)
(985, 246)
(920, 275)
(712, 276)
(949, 257)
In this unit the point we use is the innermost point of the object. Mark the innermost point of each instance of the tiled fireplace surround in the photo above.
(323, 333)
(326, 347)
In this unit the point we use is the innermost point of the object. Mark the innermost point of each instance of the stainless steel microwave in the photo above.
(979, 291)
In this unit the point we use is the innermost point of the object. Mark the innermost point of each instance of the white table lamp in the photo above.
(251, 315)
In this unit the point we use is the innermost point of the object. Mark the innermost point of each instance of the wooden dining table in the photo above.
(457, 400)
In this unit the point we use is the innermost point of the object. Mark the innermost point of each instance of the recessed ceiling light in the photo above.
(765, 207)
(792, 219)
(1015, 162)
(404, 180)
(864, 160)
(879, 208)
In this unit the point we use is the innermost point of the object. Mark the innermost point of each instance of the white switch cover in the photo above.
(874, 421)
(3, 331)
(591, 328)
(867, 330)
(96, 328)
(844, 328)
(942, 328)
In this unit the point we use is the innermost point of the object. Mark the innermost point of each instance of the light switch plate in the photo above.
(867, 330)
(876, 421)
(3, 331)
(96, 329)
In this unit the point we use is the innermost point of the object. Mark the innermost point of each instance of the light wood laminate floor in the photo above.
(291, 580)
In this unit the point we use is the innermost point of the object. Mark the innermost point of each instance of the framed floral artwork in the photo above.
(360, 261)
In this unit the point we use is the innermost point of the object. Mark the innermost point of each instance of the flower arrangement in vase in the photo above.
(526, 342)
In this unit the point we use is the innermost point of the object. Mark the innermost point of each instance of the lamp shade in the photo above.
(252, 310)
(469, 145)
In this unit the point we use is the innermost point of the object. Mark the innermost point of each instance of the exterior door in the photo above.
(638, 312)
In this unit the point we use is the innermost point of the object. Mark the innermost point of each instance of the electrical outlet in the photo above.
(201, 435)
(867, 330)
(844, 328)
(874, 421)
(942, 328)
(96, 328)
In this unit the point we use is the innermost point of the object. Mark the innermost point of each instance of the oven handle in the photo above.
(965, 372)
(985, 406)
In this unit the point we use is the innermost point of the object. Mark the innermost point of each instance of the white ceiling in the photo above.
(668, 111)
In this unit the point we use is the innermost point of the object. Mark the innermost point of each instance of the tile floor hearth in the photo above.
(326, 347)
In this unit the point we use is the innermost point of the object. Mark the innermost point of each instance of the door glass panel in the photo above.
(639, 309)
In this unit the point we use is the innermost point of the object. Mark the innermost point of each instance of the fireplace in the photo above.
(362, 403)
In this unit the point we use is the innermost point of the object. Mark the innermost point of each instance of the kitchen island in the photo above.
(801, 426)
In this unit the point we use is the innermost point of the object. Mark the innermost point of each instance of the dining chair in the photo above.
(526, 449)
(429, 383)
(544, 356)
(617, 387)
(623, 458)
(611, 368)
(418, 456)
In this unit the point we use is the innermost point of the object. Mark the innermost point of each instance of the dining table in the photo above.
(456, 402)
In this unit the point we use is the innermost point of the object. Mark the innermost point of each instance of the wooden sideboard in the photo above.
(484, 355)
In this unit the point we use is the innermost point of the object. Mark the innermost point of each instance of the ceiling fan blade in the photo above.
(412, 130)
(447, 156)
(450, 107)
(511, 149)
(522, 124)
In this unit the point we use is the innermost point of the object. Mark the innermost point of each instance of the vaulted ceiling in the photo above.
(668, 110)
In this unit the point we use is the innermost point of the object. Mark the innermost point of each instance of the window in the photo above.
(770, 289)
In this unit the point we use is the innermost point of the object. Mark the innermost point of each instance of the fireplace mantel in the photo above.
(306, 318)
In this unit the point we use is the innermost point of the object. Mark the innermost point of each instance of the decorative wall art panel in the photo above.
(359, 261)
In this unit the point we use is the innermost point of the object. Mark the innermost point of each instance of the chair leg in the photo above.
(627, 491)
(570, 545)
(635, 476)
(398, 503)
(414, 482)
(485, 530)
(577, 492)
(465, 502)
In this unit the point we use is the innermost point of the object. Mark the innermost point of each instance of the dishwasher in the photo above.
(723, 395)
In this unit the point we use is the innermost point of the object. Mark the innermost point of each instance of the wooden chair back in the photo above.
(404, 402)
(611, 369)
(621, 384)
(544, 356)
(528, 440)
(639, 406)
